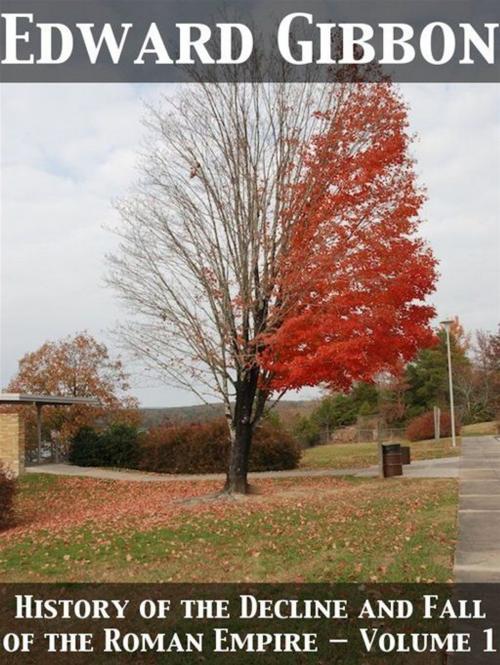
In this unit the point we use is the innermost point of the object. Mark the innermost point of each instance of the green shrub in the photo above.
(422, 427)
(307, 432)
(84, 448)
(118, 445)
(204, 448)
(7, 492)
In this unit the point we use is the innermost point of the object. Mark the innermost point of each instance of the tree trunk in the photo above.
(236, 480)
(241, 434)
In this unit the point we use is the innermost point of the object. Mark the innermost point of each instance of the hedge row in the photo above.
(7, 492)
(204, 448)
(185, 448)
(422, 427)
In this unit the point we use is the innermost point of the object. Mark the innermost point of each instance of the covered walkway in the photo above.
(40, 401)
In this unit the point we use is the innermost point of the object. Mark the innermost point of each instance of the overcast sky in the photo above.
(68, 150)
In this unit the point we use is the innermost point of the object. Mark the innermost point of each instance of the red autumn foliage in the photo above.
(355, 275)
(422, 427)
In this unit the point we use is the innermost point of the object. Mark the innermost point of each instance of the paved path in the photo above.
(446, 467)
(477, 556)
(438, 468)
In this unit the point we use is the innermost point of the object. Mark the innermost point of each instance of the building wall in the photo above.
(12, 442)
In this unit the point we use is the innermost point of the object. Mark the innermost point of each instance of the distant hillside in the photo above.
(288, 410)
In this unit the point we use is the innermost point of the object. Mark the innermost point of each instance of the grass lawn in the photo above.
(307, 529)
(479, 429)
(360, 455)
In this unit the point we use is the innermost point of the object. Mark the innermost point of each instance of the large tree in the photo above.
(271, 244)
(427, 375)
(75, 366)
(478, 388)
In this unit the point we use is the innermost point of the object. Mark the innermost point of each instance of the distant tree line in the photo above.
(417, 388)
(81, 366)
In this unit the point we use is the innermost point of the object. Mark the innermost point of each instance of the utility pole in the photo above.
(447, 326)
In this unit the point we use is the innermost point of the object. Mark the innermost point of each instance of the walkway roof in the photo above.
(52, 400)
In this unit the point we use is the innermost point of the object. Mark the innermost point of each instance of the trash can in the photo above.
(391, 460)
(405, 455)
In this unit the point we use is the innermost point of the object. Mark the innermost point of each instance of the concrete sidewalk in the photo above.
(477, 556)
(443, 467)
(437, 468)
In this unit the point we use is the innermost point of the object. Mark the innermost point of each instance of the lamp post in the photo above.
(447, 327)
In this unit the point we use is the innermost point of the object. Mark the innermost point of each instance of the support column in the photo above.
(12, 442)
(39, 431)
